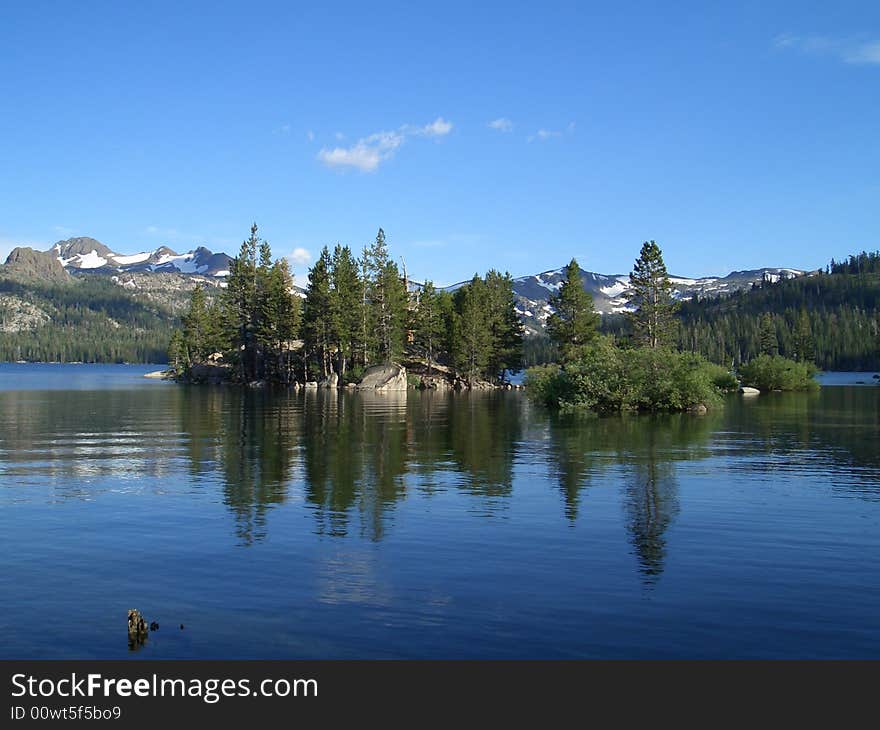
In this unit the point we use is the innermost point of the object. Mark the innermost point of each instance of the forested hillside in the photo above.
(89, 319)
(830, 317)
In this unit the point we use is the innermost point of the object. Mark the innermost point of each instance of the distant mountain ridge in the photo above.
(83, 254)
(612, 292)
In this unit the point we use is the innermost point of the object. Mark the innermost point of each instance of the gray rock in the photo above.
(746, 390)
(311, 384)
(208, 373)
(698, 410)
(383, 378)
(160, 374)
(332, 381)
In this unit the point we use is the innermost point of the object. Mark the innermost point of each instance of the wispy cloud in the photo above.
(848, 50)
(544, 134)
(310, 135)
(282, 129)
(502, 124)
(63, 231)
(369, 152)
(300, 257)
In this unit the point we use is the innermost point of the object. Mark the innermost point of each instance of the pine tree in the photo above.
(387, 300)
(365, 344)
(471, 338)
(429, 326)
(197, 328)
(317, 322)
(240, 307)
(505, 326)
(279, 321)
(652, 322)
(804, 348)
(767, 335)
(177, 355)
(574, 323)
(345, 303)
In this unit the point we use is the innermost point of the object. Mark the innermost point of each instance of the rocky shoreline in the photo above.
(378, 378)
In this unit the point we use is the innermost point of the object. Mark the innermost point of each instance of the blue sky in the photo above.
(506, 135)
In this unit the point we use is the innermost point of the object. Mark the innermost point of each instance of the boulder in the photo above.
(209, 373)
(383, 378)
(332, 381)
(160, 374)
(698, 410)
(311, 384)
(746, 390)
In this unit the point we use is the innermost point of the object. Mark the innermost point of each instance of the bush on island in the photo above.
(774, 372)
(607, 379)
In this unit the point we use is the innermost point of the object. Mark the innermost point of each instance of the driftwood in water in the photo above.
(137, 629)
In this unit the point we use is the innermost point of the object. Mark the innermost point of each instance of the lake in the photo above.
(277, 524)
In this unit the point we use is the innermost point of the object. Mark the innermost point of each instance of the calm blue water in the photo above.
(325, 525)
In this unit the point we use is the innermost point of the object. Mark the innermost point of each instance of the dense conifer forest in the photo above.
(357, 312)
(360, 309)
(830, 317)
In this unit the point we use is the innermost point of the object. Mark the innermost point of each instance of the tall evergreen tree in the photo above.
(804, 347)
(388, 301)
(429, 326)
(472, 340)
(279, 321)
(365, 344)
(505, 326)
(346, 302)
(197, 328)
(240, 305)
(317, 322)
(178, 357)
(767, 335)
(573, 324)
(652, 322)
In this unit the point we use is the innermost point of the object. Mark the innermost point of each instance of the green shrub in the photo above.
(606, 379)
(774, 372)
(722, 378)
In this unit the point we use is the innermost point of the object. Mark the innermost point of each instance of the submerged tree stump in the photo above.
(137, 628)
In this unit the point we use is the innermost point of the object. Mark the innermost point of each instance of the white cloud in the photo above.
(310, 135)
(369, 152)
(339, 136)
(300, 257)
(847, 50)
(438, 128)
(545, 134)
(502, 124)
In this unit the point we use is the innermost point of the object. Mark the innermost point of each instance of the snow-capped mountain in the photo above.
(88, 254)
(611, 292)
